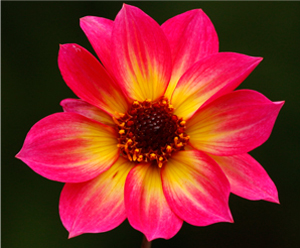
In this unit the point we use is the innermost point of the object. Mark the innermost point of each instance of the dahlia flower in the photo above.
(158, 136)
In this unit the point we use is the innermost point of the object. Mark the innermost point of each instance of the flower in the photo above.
(158, 136)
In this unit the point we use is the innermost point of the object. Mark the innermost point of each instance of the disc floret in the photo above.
(150, 132)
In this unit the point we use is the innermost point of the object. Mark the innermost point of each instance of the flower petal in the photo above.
(233, 124)
(84, 74)
(209, 78)
(247, 177)
(141, 54)
(68, 147)
(147, 208)
(90, 111)
(98, 30)
(191, 36)
(96, 205)
(196, 188)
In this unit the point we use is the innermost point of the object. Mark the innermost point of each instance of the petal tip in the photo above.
(82, 21)
(18, 155)
(72, 234)
(125, 6)
(85, 19)
(259, 59)
(256, 60)
(273, 198)
(65, 102)
(149, 238)
(69, 46)
(281, 103)
(229, 217)
(62, 102)
(231, 220)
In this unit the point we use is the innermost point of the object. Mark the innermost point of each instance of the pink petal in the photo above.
(209, 78)
(140, 54)
(98, 30)
(191, 36)
(248, 178)
(84, 74)
(90, 111)
(233, 124)
(146, 206)
(68, 147)
(196, 188)
(96, 205)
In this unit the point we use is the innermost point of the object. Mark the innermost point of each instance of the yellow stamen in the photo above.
(182, 123)
(176, 140)
(118, 123)
(169, 149)
(179, 145)
(183, 138)
(152, 156)
(136, 151)
(160, 164)
(129, 157)
(121, 115)
(147, 103)
(135, 104)
(140, 158)
(129, 142)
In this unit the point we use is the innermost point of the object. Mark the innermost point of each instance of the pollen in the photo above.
(150, 132)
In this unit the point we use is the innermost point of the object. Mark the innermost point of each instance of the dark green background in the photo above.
(32, 89)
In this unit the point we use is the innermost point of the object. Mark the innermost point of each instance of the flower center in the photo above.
(150, 132)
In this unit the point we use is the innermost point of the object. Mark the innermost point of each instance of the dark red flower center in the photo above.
(150, 131)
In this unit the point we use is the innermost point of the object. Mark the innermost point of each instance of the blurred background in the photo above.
(32, 88)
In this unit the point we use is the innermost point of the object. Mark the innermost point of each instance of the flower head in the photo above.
(158, 136)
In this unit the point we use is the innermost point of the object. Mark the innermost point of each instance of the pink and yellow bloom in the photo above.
(158, 136)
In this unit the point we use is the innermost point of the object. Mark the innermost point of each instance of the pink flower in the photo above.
(159, 136)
